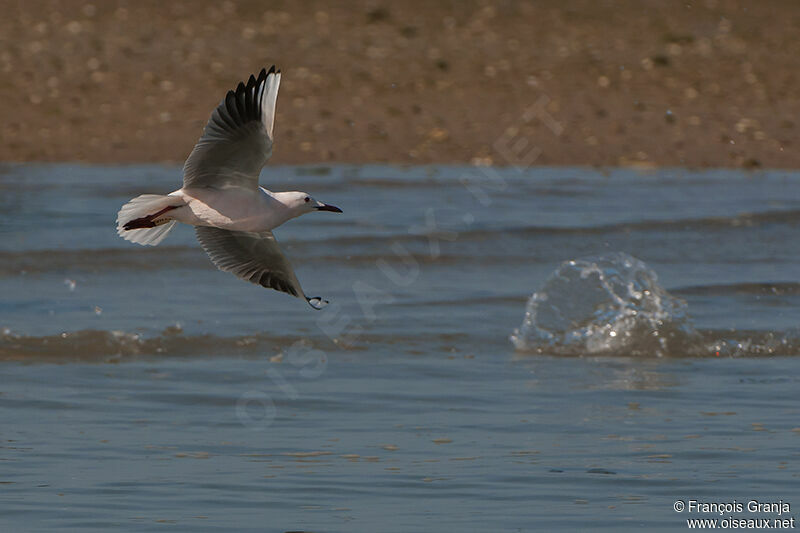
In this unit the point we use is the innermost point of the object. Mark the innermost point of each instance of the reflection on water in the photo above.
(606, 374)
(402, 407)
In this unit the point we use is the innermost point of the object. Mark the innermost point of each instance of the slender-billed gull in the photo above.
(221, 198)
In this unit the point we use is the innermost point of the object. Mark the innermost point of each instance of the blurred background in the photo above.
(633, 83)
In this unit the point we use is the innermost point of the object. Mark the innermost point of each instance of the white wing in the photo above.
(254, 257)
(237, 141)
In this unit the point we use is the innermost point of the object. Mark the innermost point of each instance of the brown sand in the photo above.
(551, 82)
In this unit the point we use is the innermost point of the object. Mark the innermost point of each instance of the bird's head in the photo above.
(300, 203)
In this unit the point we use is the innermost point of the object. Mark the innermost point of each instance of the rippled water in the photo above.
(404, 406)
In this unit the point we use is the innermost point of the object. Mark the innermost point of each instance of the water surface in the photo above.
(141, 388)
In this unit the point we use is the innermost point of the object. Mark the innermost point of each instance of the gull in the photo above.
(233, 216)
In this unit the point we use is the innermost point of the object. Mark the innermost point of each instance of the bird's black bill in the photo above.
(326, 207)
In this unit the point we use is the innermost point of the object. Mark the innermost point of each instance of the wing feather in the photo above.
(253, 257)
(237, 140)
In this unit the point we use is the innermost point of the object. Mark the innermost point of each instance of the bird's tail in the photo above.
(145, 220)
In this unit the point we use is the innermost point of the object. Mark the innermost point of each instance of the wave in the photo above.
(38, 261)
(102, 346)
(707, 344)
(773, 288)
(788, 217)
(113, 346)
(97, 346)
(151, 259)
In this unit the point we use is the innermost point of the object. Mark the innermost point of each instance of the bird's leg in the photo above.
(150, 221)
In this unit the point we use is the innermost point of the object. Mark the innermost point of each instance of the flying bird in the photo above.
(233, 216)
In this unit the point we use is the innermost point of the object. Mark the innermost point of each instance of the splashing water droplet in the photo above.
(610, 304)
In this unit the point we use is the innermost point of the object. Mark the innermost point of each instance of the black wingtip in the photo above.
(264, 73)
(230, 105)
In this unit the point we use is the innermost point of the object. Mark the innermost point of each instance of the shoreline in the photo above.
(708, 85)
(325, 167)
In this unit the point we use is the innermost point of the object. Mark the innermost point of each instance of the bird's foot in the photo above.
(317, 303)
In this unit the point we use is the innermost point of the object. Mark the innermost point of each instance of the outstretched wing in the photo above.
(254, 257)
(237, 141)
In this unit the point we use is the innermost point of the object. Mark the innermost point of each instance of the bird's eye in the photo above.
(307, 199)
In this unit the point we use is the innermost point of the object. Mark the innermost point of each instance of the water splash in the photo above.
(609, 304)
